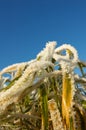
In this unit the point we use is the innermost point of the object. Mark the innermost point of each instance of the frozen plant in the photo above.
(45, 93)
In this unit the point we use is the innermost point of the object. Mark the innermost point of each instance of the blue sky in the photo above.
(26, 25)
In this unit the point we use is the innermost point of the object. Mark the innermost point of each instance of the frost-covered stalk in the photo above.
(55, 115)
(67, 63)
(67, 98)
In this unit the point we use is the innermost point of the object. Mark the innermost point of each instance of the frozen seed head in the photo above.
(71, 50)
(67, 62)
(48, 52)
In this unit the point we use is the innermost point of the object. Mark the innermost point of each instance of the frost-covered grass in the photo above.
(45, 93)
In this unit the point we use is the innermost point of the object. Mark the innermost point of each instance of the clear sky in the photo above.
(26, 25)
